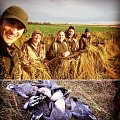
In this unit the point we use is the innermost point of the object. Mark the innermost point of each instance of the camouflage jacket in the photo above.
(73, 44)
(9, 61)
(57, 49)
(33, 53)
(84, 42)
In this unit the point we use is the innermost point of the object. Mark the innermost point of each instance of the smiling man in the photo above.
(12, 26)
(34, 49)
(59, 47)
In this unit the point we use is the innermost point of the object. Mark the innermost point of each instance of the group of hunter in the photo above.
(13, 24)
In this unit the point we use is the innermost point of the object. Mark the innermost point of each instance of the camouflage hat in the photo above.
(36, 32)
(16, 13)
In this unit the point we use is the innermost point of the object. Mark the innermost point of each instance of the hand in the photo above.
(67, 53)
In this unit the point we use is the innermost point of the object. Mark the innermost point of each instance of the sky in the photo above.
(68, 11)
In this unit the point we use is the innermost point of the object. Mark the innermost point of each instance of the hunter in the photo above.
(84, 41)
(12, 26)
(71, 39)
(34, 49)
(59, 47)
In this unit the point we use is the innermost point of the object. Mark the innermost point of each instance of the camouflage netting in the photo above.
(99, 95)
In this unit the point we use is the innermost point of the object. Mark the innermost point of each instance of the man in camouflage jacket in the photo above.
(34, 49)
(71, 39)
(84, 41)
(13, 24)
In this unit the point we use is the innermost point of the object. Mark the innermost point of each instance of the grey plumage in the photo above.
(50, 84)
(39, 112)
(80, 110)
(33, 101)
(23, 89)
(57, 114)
(48, 101)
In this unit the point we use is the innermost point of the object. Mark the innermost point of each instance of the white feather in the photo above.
(57, 95)
(45, 91)
(60, 104)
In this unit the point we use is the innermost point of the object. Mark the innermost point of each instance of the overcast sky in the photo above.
(68, 11)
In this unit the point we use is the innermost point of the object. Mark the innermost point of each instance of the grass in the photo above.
(79, 28)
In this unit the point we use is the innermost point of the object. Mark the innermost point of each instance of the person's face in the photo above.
(36, 38)
(60, 36)
(87, 34)
(11, 30)
(71, 32)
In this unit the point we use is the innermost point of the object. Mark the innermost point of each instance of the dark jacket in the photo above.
(57, 49)
(84, 42)
(9, 57)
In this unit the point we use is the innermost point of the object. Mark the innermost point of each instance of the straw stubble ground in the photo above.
(99, 95)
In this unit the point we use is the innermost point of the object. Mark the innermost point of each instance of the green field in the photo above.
(49, 31)
(53, 29)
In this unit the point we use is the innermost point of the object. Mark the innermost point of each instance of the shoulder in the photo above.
(55, 42)
(41, 42)
(83, 35)
(17, 50)
(64, 42)
(52, 45)
(28, 41)
(15, 47)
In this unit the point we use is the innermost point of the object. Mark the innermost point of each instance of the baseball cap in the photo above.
(71, 27)
(86, 30)
(16, 13)
(37, 31)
